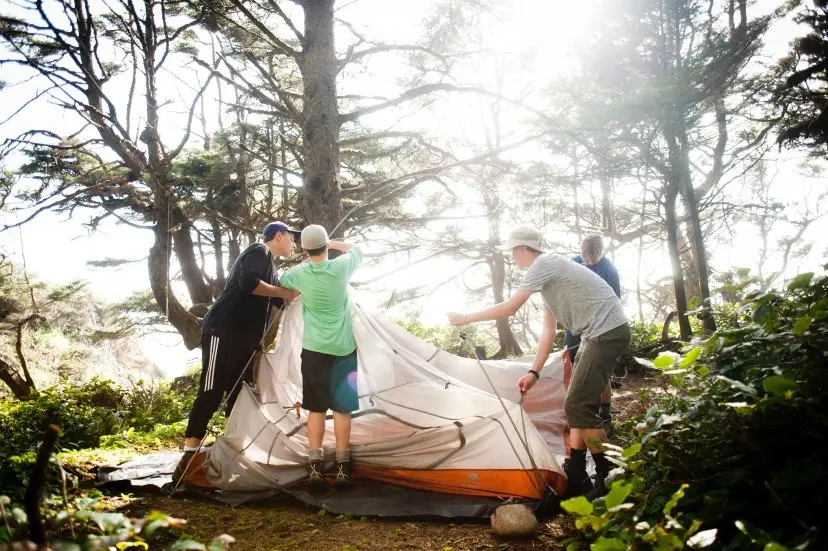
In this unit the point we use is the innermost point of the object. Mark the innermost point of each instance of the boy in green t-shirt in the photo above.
(329, 359)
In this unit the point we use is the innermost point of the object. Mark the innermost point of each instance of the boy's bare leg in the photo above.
(342, 430)
(316, 429)
(591, 439)
(316, 432)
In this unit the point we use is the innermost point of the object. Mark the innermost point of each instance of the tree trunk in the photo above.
(708, 322)
(321, 195)
(159, 256)
(184, 249)
(159, 265)
(233, 249)
(221, 278)
(638, 294)
(508, 343)
(675, 259)
(697, 237)
(12, 378)
(688, 259)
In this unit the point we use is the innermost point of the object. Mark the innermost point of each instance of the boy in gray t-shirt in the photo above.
(586, 305)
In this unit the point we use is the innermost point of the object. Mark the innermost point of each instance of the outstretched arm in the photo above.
(343, 246)
(254, 266)
(502, 310)
(267, 290)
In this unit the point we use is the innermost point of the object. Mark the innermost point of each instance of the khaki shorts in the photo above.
(590, 375)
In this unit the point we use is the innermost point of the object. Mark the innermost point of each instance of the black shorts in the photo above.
(329, 382)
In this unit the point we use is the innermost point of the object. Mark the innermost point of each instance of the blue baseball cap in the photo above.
(275, 227)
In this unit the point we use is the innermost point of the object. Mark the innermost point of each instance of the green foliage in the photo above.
(729, 457)
(97, 413)
(161, 435)
(447, 337)
(643, 334)
(92, 527)
(800, 99)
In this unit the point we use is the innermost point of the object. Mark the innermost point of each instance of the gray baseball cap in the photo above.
(524, 235)
(314, 237)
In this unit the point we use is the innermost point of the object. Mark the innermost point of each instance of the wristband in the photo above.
(535, 373)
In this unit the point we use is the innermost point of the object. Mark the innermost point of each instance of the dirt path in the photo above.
(291, 526)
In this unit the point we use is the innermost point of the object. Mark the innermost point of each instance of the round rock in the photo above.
(515, 520)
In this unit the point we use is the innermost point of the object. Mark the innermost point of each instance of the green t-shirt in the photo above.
(326, 308)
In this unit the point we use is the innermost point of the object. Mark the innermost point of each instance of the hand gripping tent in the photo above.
(428, 420)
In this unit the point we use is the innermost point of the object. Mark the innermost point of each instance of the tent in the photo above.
(448, 427)
(428, 419)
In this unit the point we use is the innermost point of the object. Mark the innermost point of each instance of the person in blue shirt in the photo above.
(592, 256)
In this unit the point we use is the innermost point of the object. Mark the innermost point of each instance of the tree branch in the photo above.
(18, 346)
(277, 42)
(286, 19)
(356, 56)
(188, 130)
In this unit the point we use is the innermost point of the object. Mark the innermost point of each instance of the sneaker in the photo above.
(316, 480)
(599, 489)
(181, 468)
(343, 473)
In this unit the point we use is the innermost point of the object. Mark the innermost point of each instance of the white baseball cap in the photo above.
(314, 237)
(525, 235)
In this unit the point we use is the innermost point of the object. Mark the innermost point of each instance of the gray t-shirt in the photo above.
(579, 298)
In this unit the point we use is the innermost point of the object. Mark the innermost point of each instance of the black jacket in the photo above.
(237, 314)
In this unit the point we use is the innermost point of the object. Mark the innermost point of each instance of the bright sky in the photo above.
(57, 248)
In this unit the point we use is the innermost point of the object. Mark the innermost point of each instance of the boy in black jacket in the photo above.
(233, 328)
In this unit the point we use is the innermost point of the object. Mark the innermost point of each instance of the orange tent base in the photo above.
(490, 482)
(504, 483)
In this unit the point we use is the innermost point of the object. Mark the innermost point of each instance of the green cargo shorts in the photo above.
(590, 375)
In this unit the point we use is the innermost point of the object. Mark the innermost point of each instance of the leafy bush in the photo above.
(90, 414)
(145, 441)
(729, 456)
(146, 405)
(644, 333)
(84, 413)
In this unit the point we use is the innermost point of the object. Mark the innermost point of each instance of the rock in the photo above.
(516, 520)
